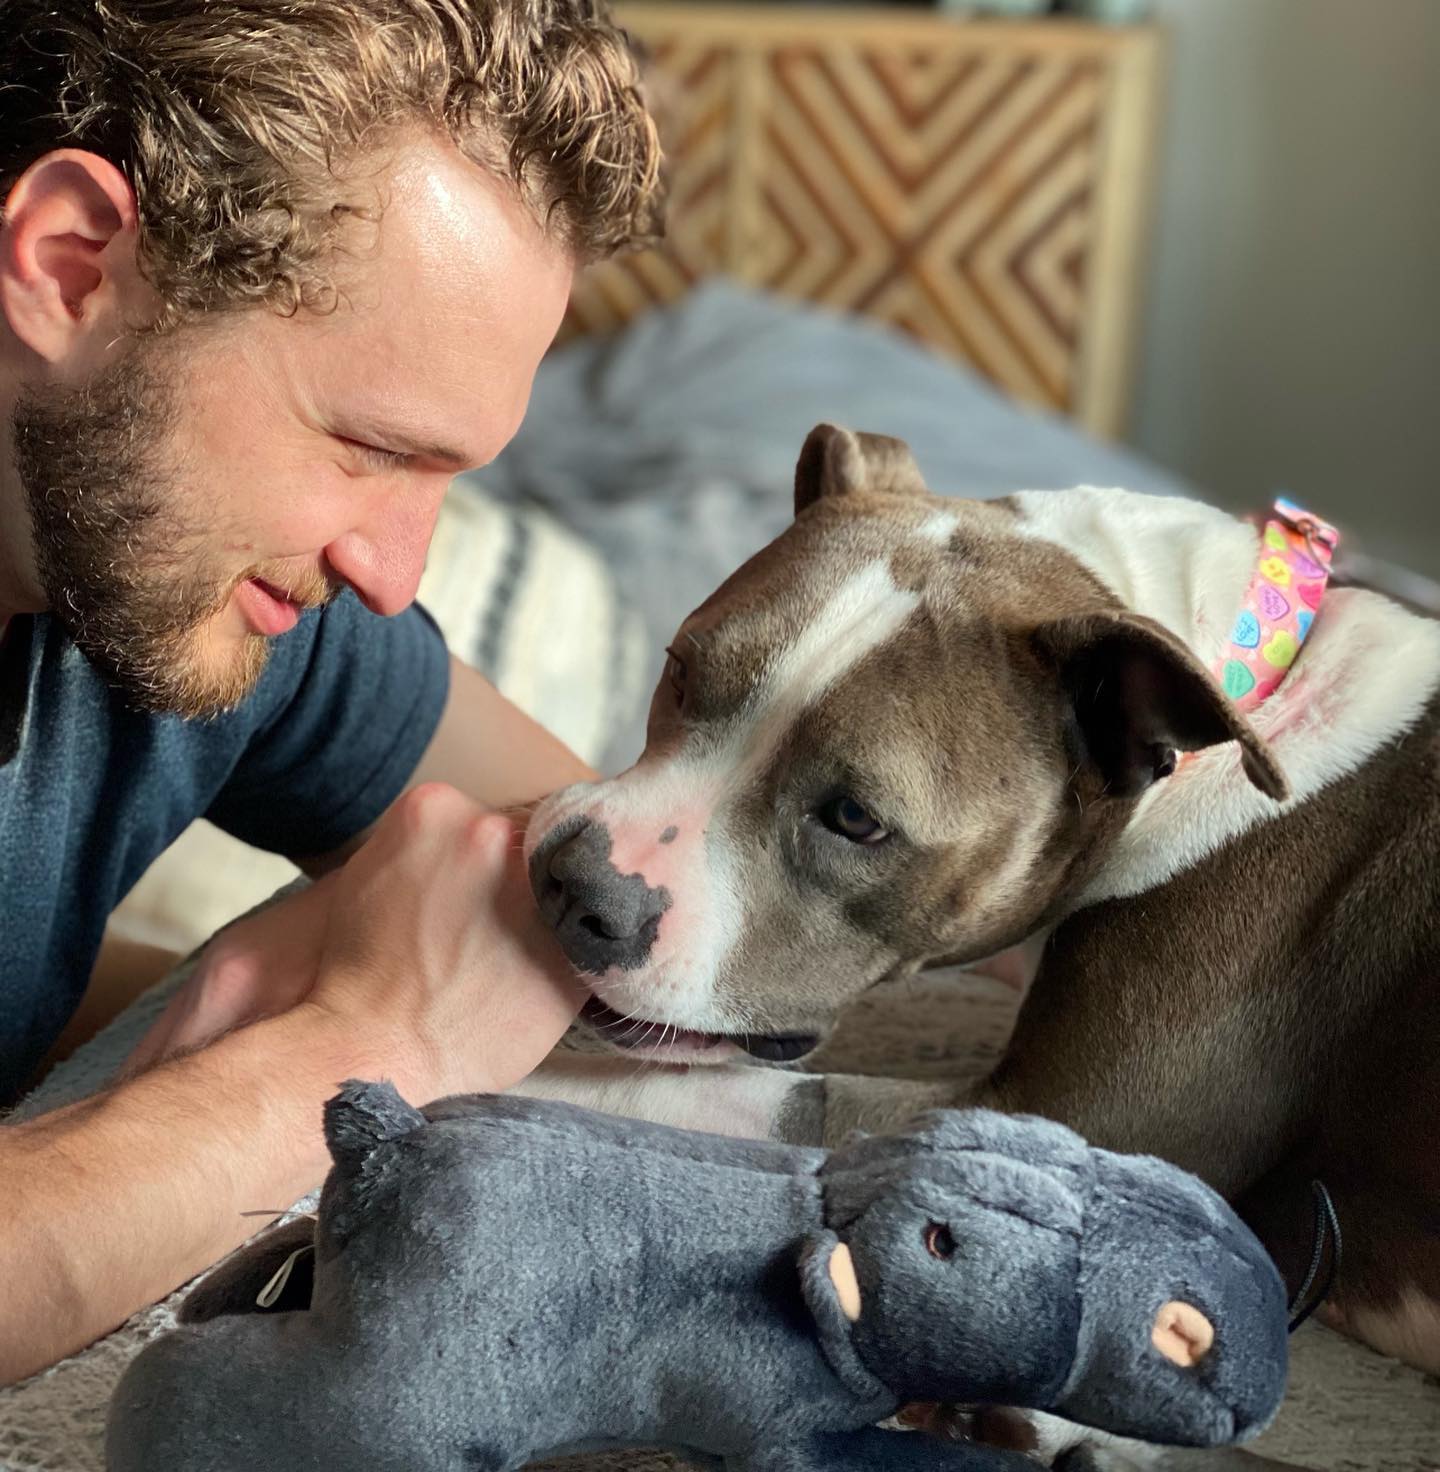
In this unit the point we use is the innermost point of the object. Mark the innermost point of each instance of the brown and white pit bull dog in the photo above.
(915, 728)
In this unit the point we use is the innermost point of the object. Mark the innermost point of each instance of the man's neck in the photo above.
(19, 587)
(20, 590)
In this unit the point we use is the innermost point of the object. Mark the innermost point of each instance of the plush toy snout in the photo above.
(1183, 1337)
(1005, 1256)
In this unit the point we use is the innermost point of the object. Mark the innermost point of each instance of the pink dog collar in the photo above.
(1280, 606)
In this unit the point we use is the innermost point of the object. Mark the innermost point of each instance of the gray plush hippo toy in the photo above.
(498, 1278)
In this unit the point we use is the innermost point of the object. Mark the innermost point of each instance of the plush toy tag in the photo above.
(268, 1295)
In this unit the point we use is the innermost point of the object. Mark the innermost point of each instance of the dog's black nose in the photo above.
(601, 917)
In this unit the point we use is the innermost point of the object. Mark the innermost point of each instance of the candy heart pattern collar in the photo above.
(1280, 605)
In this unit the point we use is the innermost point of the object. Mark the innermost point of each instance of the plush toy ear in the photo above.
(836, 461)
(1139, 696)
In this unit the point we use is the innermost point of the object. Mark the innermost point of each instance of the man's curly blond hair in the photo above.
(238, 122)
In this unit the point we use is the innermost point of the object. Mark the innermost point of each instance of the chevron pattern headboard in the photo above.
(980, 184)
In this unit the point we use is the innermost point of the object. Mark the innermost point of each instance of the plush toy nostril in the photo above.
(846, 1284)
(1182, 1334)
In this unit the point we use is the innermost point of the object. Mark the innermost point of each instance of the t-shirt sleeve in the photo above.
(343, 713)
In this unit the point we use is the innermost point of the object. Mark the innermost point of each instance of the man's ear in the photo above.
(1139, 696)
(835, 461)
(67, 251)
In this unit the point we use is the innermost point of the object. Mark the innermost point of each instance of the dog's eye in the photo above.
(939, 1241)
(677, 674)
(845, 816)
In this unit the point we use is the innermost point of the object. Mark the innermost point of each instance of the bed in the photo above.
(984, 186)
(889, 220)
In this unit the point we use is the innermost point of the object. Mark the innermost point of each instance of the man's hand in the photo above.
(433, 940)
(259, 966)
(409, 943)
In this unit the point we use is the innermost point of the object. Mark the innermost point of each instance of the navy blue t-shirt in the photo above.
(92, 791)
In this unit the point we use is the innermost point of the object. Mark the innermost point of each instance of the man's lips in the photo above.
(266, 608)
(664, 1037)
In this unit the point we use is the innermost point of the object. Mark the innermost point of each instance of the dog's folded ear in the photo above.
(834, 462)
(1139, 695)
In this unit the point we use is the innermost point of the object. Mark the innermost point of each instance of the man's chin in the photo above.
(199, 679)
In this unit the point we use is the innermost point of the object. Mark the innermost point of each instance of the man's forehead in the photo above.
(451, 224)
(444, 311)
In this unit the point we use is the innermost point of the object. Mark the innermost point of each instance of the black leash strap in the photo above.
(1326, 1223)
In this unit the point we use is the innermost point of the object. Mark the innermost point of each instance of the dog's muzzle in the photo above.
(604, 919)
(601, 917)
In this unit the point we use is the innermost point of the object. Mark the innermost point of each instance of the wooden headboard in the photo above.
(982, 185)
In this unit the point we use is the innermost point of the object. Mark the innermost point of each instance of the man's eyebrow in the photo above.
(375, 433)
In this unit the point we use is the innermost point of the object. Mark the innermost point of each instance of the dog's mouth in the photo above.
(665, 1040)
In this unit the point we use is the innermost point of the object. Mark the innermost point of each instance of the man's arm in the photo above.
(489, 748)
(486, 746)
(114, 1202)
(419, 961)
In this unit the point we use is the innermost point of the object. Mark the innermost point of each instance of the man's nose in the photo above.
(383, 559)
(601, 918)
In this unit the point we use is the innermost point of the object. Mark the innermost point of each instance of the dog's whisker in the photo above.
(632, 1031)
(636, 1028)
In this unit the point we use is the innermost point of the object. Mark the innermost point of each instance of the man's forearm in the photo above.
(489, 749)
(114, 1202)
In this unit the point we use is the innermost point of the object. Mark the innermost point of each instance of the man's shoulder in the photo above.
(54, 685)
(332, 730)
(55, 700)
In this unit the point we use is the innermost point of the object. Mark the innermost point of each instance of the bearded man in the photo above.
(270, 276)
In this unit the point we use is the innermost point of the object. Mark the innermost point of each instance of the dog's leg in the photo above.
(748, 1100)
(832, 1105)
(1063, 1445)
(1136, 1045)
(752, 1102)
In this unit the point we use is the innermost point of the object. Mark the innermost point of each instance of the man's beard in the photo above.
(133, 581)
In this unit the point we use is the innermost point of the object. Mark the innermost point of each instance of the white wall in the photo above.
(1292, 334)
